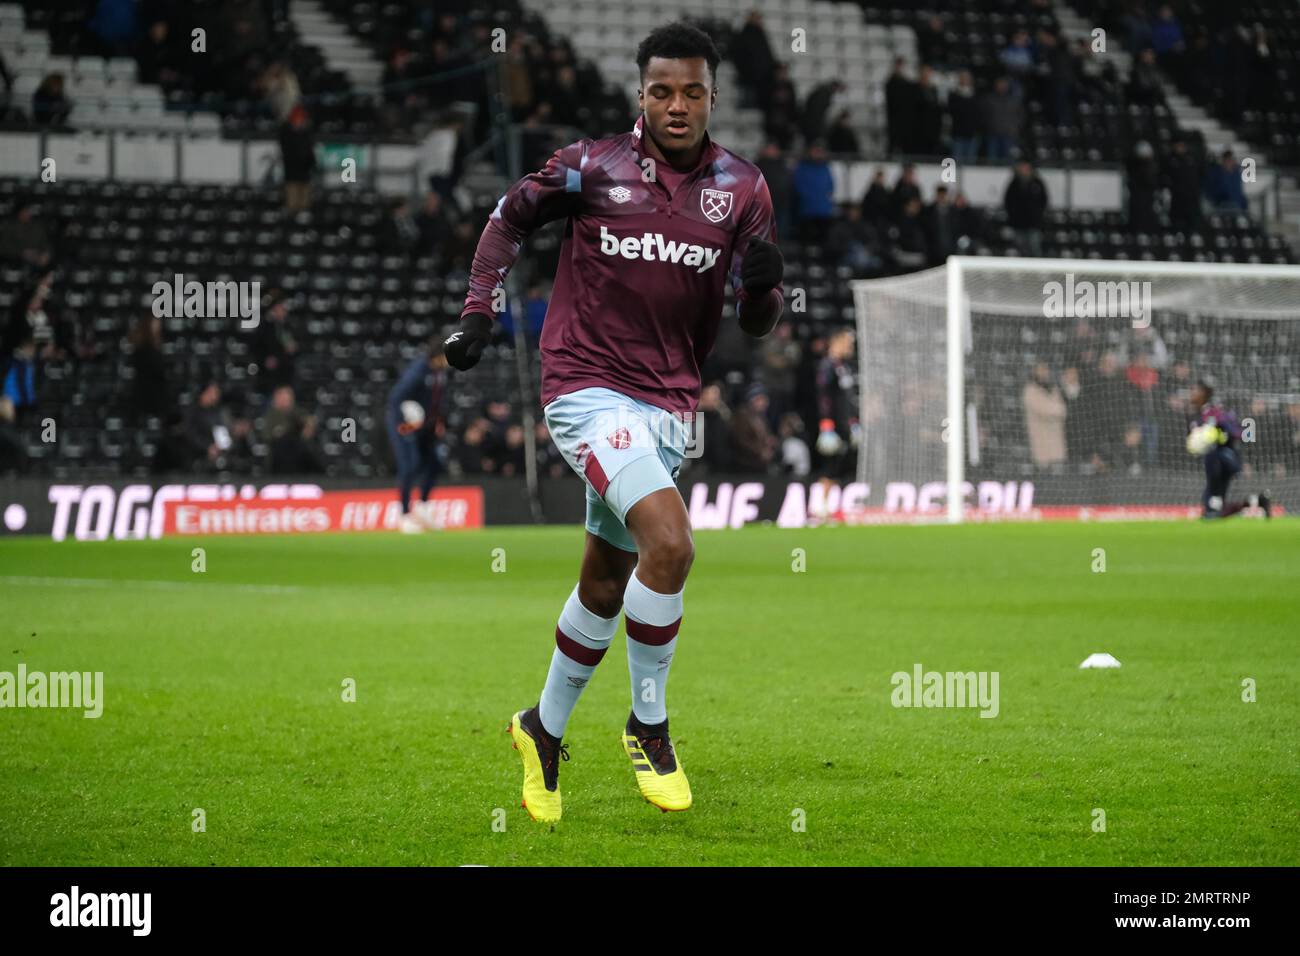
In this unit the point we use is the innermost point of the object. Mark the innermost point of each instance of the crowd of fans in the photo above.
(1108, 410)
(759, 404)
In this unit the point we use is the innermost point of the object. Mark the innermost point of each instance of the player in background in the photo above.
(415, 417)
(837, 426)
(659, 220)
(1218, 430)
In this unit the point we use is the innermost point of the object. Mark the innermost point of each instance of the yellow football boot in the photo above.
(659, 774)
(541, 759)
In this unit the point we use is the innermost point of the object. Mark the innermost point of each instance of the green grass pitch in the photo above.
(223, 691)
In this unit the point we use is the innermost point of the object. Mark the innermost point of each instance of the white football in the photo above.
(412, 413)
(1201, 439)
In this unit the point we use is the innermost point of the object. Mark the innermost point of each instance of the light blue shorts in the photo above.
(622, 448)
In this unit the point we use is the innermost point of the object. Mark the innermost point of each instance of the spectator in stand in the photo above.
(1137, 27)
(533, 310)
(901, 95)
(715, 424)
(927, 124)
(474, 454)
(931, 44)
(911, 248)
(19, 382)
(814, 191)
(565, 98)
(402, 91)
(1061, 80)
(796, 456)
(298, 154)
(115, 24)
(753, 446)
(1018, 59)
(1167, 39)
(852, 242)
(778, 368)
(31, 320)
(840, 137)
(279, 85)
(940, 221)
(274, 348)
(969, 223)
(1143, 181)
(550, 462)
(432, 223)
(204, 438)
(160, 61)
(1144, 86)
(1182, 176)
(779, 184)
(1076, 438)
(1003, 115)
(517, 83)
(401, 236)
(25, 240)
(1223, 185)
(49, 106)
(1291, 438)
(877, 202)
(781, 113)
(458, 250)
(499, 415)
(1144, 378)
(13, 456)
(288, 432)
(536, 302)
(1107, 402)
(1045, 418)
(1200, 67)
(510, 455)
(816, 108)
(537, 141)
(7, 81)
(964, 110)
(754, 60)
(905, 190)
(1025, 201)
(150, 392)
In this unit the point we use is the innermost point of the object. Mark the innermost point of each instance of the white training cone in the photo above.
(1099, 660)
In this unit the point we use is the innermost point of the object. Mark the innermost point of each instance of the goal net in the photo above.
(1054, 388)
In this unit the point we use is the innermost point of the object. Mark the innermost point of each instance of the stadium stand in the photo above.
(359, 293)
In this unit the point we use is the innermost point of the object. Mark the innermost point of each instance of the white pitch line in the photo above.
(155, 585)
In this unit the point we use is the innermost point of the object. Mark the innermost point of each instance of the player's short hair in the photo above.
(1205, 387)
(678, 41)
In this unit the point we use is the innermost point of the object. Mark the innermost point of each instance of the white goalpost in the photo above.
(1057, 388)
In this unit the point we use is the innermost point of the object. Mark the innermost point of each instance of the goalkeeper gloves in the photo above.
(762, 269)
(464, 347)
(829, 442)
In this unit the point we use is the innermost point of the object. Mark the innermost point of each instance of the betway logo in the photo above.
(652, 247)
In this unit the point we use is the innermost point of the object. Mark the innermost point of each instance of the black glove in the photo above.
(464, 346)
(762, 269)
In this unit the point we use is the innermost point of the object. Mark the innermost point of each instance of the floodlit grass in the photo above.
(223, 691)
